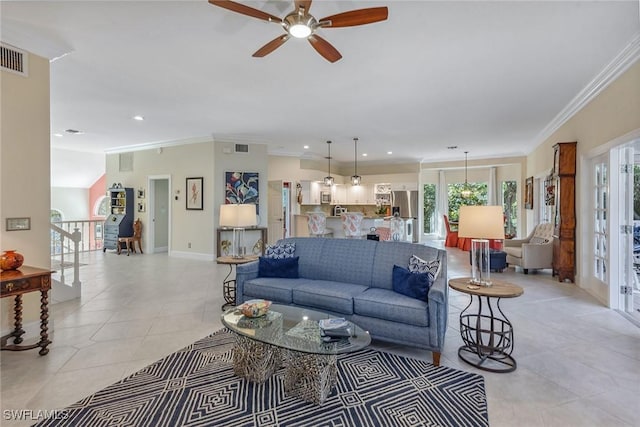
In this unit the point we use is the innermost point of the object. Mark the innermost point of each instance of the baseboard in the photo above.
(192, 255)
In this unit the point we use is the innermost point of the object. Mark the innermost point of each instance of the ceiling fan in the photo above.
(301, 24)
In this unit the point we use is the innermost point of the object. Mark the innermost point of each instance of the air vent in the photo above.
(242, 148)
(13, 60)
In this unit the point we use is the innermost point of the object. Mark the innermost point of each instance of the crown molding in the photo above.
(621, 63)
(155, 145)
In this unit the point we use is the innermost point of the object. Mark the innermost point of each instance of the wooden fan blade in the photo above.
(245, 10)
(271, 46)
(306, 4)
(324, 48)
(355, 17)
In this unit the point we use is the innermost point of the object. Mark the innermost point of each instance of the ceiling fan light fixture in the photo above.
(300, 31)
(299, 26)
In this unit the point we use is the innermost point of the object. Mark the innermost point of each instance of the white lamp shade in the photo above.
(238, 216)
(481, 222)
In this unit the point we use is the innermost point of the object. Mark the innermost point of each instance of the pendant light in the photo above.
(466, 192)
(355, 179)
(328, 180)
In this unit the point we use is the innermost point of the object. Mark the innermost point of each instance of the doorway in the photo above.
(159, 229)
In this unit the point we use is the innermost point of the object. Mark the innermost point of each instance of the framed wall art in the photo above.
(528, 193)
(242, 187)
(194, 194)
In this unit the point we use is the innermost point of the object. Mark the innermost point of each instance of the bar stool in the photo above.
(317, 224)
(352, 224)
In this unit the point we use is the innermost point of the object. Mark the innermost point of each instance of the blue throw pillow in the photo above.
(414, 285)
(286, 268)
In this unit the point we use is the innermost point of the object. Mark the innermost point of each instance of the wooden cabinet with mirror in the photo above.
(564, 234)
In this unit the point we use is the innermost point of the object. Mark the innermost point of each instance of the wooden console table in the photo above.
(14, 283)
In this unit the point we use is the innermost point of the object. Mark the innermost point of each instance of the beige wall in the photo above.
(613, 113)
(25, 172)
(178, 162)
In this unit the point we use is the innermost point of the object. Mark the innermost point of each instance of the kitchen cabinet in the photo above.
(361, 195)
(310, 192)
(339, 194)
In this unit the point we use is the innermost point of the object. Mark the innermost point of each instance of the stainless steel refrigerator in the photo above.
(406, 204)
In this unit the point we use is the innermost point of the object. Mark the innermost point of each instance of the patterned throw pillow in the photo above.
(418, 265)
(280, 250)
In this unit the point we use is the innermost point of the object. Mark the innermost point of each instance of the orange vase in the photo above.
(11, 260)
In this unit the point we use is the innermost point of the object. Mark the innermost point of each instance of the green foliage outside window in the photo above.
(429, 208)
(478, 197)
(510, 205)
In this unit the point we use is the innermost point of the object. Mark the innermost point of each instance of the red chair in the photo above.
(452, 236)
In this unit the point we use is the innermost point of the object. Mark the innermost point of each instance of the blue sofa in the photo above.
(352, 278)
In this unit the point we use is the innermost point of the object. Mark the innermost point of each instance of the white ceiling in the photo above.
(485, 76)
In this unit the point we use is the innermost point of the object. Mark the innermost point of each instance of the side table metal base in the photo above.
(470, 356)
(254, 360)
(310, 377)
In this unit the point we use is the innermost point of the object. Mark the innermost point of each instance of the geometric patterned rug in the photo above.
(196, 387)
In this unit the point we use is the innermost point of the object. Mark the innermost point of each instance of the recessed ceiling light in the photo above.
(306, 147)
(59, 135)
(138, 118)
(364, 154)
(389, 152)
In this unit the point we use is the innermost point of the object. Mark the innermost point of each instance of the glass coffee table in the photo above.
(290, 336)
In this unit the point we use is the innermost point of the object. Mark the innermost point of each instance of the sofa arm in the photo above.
(244, 272)
(514, 242)
(537, 255)
(438, 312)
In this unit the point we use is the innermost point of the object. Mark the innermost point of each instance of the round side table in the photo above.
(487, 334)
(229, 285)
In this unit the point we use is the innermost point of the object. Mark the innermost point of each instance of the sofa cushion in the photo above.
(286, 268)
(414, 285)
(389, 305)
(280, 250)
(272, 289)
(327, 295)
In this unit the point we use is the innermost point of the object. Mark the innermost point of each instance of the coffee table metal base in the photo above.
(254, 360)
(310, 377)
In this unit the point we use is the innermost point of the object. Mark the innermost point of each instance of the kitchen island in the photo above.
(335, 223)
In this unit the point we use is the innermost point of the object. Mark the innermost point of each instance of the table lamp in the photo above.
(481, 223)
(238, 217)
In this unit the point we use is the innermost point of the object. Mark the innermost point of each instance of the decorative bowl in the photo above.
(255, 307)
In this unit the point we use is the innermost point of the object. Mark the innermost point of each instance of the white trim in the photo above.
(158, 144)
(150, 241)
(192, 255)
(621, 63)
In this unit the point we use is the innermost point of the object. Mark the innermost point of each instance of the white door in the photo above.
(599, 269)
(626, 155)
(275, 212)
(158, 232)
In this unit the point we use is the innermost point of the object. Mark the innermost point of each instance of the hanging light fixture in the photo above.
(466, 192)
(355, 178)
(328, 180)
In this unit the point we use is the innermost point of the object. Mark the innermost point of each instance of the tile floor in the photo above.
(578, 362)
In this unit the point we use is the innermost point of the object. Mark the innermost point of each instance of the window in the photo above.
(510, 206)
(102, 207)
(478, 197)
(429, 209)
(55, 215)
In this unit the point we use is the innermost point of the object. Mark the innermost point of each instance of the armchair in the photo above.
(534, 251)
